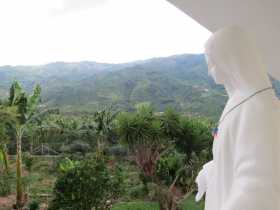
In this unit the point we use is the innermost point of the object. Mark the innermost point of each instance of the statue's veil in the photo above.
(235, 51)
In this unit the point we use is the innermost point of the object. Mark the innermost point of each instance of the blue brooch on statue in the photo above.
(215, 132)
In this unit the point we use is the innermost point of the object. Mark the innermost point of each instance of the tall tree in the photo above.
(194, 136)
(142, 132)
(151, 136)
(26, 107)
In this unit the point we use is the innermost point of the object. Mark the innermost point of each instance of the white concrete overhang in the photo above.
(260, 17)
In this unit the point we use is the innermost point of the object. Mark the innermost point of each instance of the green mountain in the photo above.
(179, 81)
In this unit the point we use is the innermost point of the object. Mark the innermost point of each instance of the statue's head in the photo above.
(217, 73)
(233, 58)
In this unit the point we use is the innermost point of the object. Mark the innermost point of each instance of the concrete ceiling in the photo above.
(261, 17)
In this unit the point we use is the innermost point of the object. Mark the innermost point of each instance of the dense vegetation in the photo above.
(109, 159)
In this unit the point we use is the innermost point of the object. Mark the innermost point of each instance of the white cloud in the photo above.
(117, 31)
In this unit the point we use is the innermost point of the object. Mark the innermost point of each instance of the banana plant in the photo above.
(103, 126)
(25, 107)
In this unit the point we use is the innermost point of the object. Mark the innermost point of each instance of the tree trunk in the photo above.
(19, 184)
(166, 199)
(6, 160)
(100, 148)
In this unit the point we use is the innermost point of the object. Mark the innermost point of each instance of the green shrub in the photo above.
(90, 184)
(34, 205)
(137, 192)
(28, 161)
(169, 166)
(66, 165)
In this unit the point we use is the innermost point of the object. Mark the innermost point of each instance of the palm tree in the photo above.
(194, 136)
(150, 136)
(170, 123)
(142, 132)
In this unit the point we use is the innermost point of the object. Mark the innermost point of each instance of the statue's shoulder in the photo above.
(264, 108)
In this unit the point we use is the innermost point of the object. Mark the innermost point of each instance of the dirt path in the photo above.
(7, 202)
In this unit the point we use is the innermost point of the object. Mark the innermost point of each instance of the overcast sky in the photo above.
(42, 31)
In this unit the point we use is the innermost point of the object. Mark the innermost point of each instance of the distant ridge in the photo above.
(179, 81)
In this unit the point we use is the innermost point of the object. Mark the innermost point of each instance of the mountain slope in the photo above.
(179, 81)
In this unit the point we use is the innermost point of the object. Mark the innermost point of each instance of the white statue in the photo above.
(245, 171)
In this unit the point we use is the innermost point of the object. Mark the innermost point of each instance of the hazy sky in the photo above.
(42, 31)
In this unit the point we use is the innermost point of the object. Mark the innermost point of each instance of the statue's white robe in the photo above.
(245, 171)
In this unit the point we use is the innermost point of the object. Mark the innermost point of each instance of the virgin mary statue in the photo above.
(245, 171)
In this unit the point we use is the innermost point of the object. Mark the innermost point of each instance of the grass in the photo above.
(138, 205)
(39, 181)
(188, 204)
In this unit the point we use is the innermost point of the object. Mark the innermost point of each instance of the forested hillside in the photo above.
(179, 81)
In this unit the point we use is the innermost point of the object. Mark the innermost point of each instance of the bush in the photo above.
(34, 205)
(169, 166)
(137, 192)
(28, 161)
(90, 184)
(5, 184)
(66, 165)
